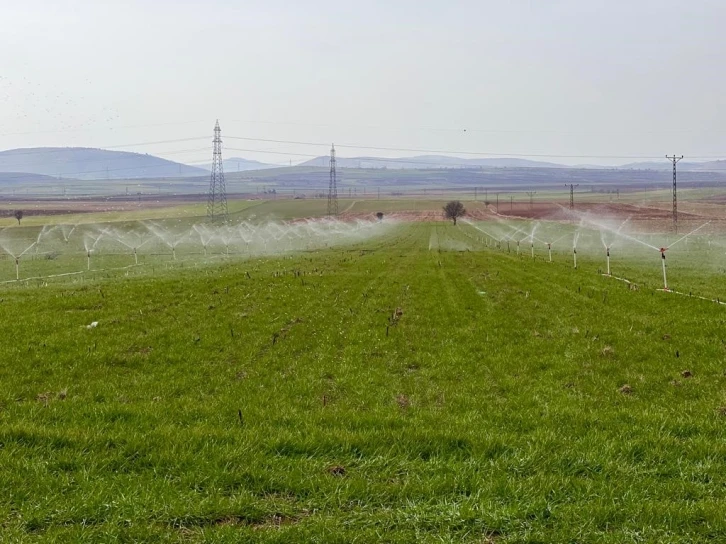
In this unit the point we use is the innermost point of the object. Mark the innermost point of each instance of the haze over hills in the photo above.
(20, 166)
(87, 163)
(429, 161)
(239, 164)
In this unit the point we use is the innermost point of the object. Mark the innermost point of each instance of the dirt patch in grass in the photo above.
(336, 470)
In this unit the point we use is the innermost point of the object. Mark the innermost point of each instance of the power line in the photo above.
(383, 148)
(37, 150)
(59, 162)
(461, 152)
(89, 129)
(409, 128)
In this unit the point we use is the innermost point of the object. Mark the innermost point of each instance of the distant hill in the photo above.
(22, 177)
(238, 164)
(86, 163)
(429, 161)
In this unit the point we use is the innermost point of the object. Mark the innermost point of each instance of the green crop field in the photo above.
(417, 385)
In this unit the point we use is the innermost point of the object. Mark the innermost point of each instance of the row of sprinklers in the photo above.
(225, 240)
(514, 237)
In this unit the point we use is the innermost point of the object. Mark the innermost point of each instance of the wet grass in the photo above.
(379, 392)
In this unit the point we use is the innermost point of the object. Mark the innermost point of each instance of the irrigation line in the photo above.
(617, 278)
(717, 301)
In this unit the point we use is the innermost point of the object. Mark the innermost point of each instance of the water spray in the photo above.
(664, 249)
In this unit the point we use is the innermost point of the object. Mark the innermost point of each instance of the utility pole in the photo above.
(675, 160)
(497, 202)
(333, 186)
(475, 188)
(572, 194)
(531, 196)
(511, 201)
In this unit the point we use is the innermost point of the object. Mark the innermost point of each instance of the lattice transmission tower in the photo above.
(674, 159)
(572, 194)
(333, 187)
(217, 198)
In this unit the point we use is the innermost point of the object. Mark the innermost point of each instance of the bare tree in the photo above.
(18, 215)
(454, 210)
(379, 215)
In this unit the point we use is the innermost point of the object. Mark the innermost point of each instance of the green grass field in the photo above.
(414, 387)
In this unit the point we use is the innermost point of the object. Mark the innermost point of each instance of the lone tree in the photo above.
(453, 210)
(18, 215)
(379, 215)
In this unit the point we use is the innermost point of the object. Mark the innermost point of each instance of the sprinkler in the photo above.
(532, 248)
(173, 252)
(574, 256)
(508, 250)
(607, 254)
(17, 268)
(517, 247)
(549, 250)
(663, 260)
(88, 257)
(136, 257)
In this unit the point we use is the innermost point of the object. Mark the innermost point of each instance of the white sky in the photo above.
(531, 77)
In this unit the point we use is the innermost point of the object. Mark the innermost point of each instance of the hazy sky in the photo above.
(531, 77)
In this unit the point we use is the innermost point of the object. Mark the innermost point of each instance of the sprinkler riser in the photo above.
(665, 279)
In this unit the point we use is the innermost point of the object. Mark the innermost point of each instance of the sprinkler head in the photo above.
(663, 249)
